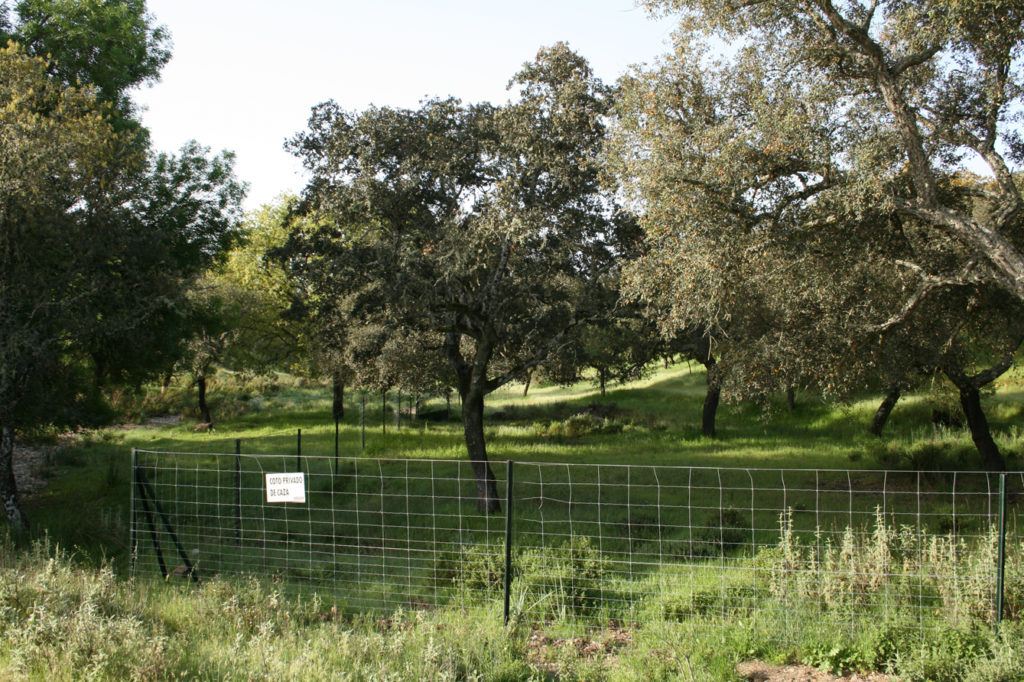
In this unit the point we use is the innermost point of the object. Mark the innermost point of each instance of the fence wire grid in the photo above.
(594, 544)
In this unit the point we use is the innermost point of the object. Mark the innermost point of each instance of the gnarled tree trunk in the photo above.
(981, 434)
(970, 400)
(712, 397)
(472, 384)
(8, 486)
(884, 410)
(204, 408)
(473, 426)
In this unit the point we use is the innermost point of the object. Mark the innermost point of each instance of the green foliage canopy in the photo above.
(869, 107)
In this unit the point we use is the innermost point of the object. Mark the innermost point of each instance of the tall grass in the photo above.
(62, 621)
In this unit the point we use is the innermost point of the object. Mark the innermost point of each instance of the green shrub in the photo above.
(835, 657)
(481, 567)
(945, 654)
(586, 423)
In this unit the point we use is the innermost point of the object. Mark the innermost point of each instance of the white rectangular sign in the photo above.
(286, 487)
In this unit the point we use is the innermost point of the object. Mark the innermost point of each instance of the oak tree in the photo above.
(802, 197)
(480, 231)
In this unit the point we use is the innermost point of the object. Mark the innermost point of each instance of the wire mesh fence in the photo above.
(591, 544)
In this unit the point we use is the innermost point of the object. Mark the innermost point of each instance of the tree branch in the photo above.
(929, 283)
(916, 59)
(982, 237)
(955, 371)
(884, 78)
(555, 344)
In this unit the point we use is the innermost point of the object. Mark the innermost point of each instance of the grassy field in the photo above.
(677, 618)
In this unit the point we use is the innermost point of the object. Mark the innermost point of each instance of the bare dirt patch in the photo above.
(34, 464)
(755, 671)
(544, 651)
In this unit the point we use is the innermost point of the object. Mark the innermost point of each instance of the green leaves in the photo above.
(486, 223)
(53, 139)
(109, 45)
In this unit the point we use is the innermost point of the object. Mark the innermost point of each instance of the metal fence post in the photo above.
(134, 540)
(362, 423)
(298, 451)
(336, 430)
(1001, 566)
(508, 538)
(238, 491)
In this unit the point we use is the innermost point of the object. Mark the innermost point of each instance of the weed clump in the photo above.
(563, 582)
(892, 568)
(586, 423)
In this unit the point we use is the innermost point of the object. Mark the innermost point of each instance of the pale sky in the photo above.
(244, 75)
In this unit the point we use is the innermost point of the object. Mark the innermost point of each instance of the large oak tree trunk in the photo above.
(711, 398)
(472, 385)
(473, 425)
(8, 487)
(970, 400)
(884, 410)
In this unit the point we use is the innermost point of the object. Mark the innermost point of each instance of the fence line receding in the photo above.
(593, 544)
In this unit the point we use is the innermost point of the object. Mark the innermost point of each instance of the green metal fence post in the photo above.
(362, 423)
(1001, 567)
(508, 538)
(134, 540)
(238, 491)
(298, 451)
